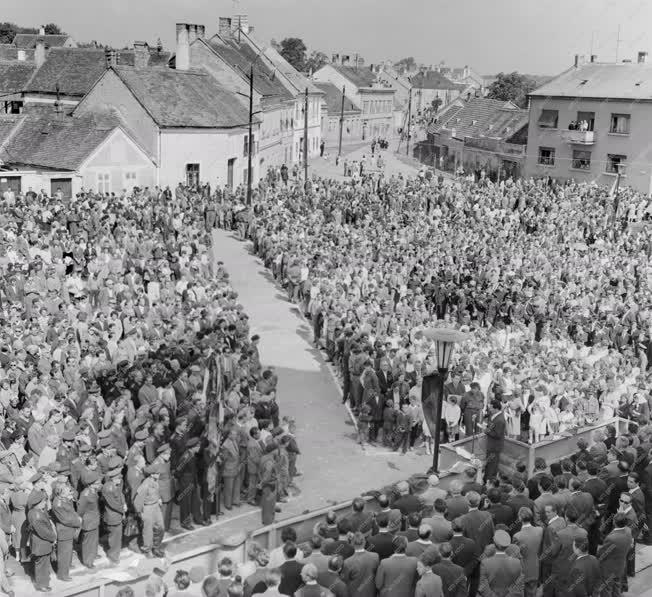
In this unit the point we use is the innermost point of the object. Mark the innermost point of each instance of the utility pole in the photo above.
(339, 150)
(409, 119)
(305, 138)
(251, 134)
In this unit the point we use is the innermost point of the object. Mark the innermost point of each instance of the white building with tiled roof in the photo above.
(593, 122)
(194, 129)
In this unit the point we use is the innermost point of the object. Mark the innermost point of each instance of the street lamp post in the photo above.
(445, 340)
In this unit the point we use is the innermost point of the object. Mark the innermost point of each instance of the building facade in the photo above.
(373, 98)
(592, 122)
(194, 130)
(332, 112)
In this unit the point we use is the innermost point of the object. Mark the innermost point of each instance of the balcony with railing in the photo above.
(578, 137)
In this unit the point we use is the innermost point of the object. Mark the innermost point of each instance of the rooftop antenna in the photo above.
(618, 40)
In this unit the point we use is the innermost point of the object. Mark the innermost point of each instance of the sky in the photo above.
(531, 36)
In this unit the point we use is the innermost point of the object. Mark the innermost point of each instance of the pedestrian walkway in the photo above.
(334, 465)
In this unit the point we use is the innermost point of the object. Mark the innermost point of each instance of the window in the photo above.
(581, 159)
(619, 124)
(589, 117)
(548, 119)
(103, 182)
(615, 163)
(547, 156)
(192, 175)
(130, 180)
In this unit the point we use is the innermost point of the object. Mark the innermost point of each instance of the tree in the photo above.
(53, 29)
(409, 64)
(294, 51)
(512, 87)
(8, 32)
(315, 61)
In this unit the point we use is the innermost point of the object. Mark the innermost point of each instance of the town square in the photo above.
(325, 300)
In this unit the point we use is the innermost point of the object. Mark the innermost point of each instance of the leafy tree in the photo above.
(294, 51)
(315, 61)
(8, 32)
(512, 87)
(408, 64)
(53, 29)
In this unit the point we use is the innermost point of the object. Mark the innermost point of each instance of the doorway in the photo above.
(229, 172)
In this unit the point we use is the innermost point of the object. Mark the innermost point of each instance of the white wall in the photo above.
(210, 149)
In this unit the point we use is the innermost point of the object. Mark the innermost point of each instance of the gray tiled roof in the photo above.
(14, 76)
(62, 143)
(360, 77)
(482, 117)
(184, 98)
(26, 41)
(432, 80)
(10, 52)
(333, 99)
(617, 80)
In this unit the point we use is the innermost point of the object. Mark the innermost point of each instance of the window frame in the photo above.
(550, 160)
(610, 163)
(626, 117)
(103, 178)
(187, 171)
(545, 126)
(575, 160)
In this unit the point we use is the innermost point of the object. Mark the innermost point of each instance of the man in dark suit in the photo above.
(331, 578)
(477, 524)
(360, 519)
(495, 436)
(381, 543)
(582, 503)
(376, 404)
(501, 575)
(341, 545)
(519, 500)
(612, 555)
(407, 503)
(562, 553)
(529, 540)
(394, 515)
(456, 505)
(429, 583)
(638, 497)
(43, 535)
(290, 570)
(466, 553)
(412, 532)
(616, 486)
(359, 571)
(385, 379)
(397, 575)
(584, 577)
(453, 579)
(501, 513)
(646, 485)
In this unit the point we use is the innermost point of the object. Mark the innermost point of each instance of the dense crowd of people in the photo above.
(570, 529)
(130, 386)
(552, 282)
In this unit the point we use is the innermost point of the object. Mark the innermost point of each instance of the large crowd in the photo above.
(130, 387)
(551, 280)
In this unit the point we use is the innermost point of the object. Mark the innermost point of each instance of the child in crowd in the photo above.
(451, 415)
(389, 420)
(537, 422)
(364, 420)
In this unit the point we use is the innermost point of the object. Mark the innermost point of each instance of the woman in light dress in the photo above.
(512, 412)
(537, 421)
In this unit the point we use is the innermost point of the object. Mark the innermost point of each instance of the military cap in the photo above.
(141, 435)
(36, 497)
(163, 448)
(68, 436)
(89, 477)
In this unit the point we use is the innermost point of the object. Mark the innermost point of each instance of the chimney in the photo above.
(182, 58)
(41, 30)
(21, 55)
(577, 60)
(200, 31)
(240, 22)
(39, 53)
(141, 54)
(594, 58)
(224, 27)
(642, 57)
(111, 58)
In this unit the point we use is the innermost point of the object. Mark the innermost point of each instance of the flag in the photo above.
(431, 401)
(214, 393)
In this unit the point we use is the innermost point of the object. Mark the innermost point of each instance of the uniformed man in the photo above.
(108, 451)
(67, 451)
(185, 475)
(77, 466)
(115, 508)
(161, 465)
(147, 504)
(42, 538)
(6, 520)
(68, 524)
(89, 510)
